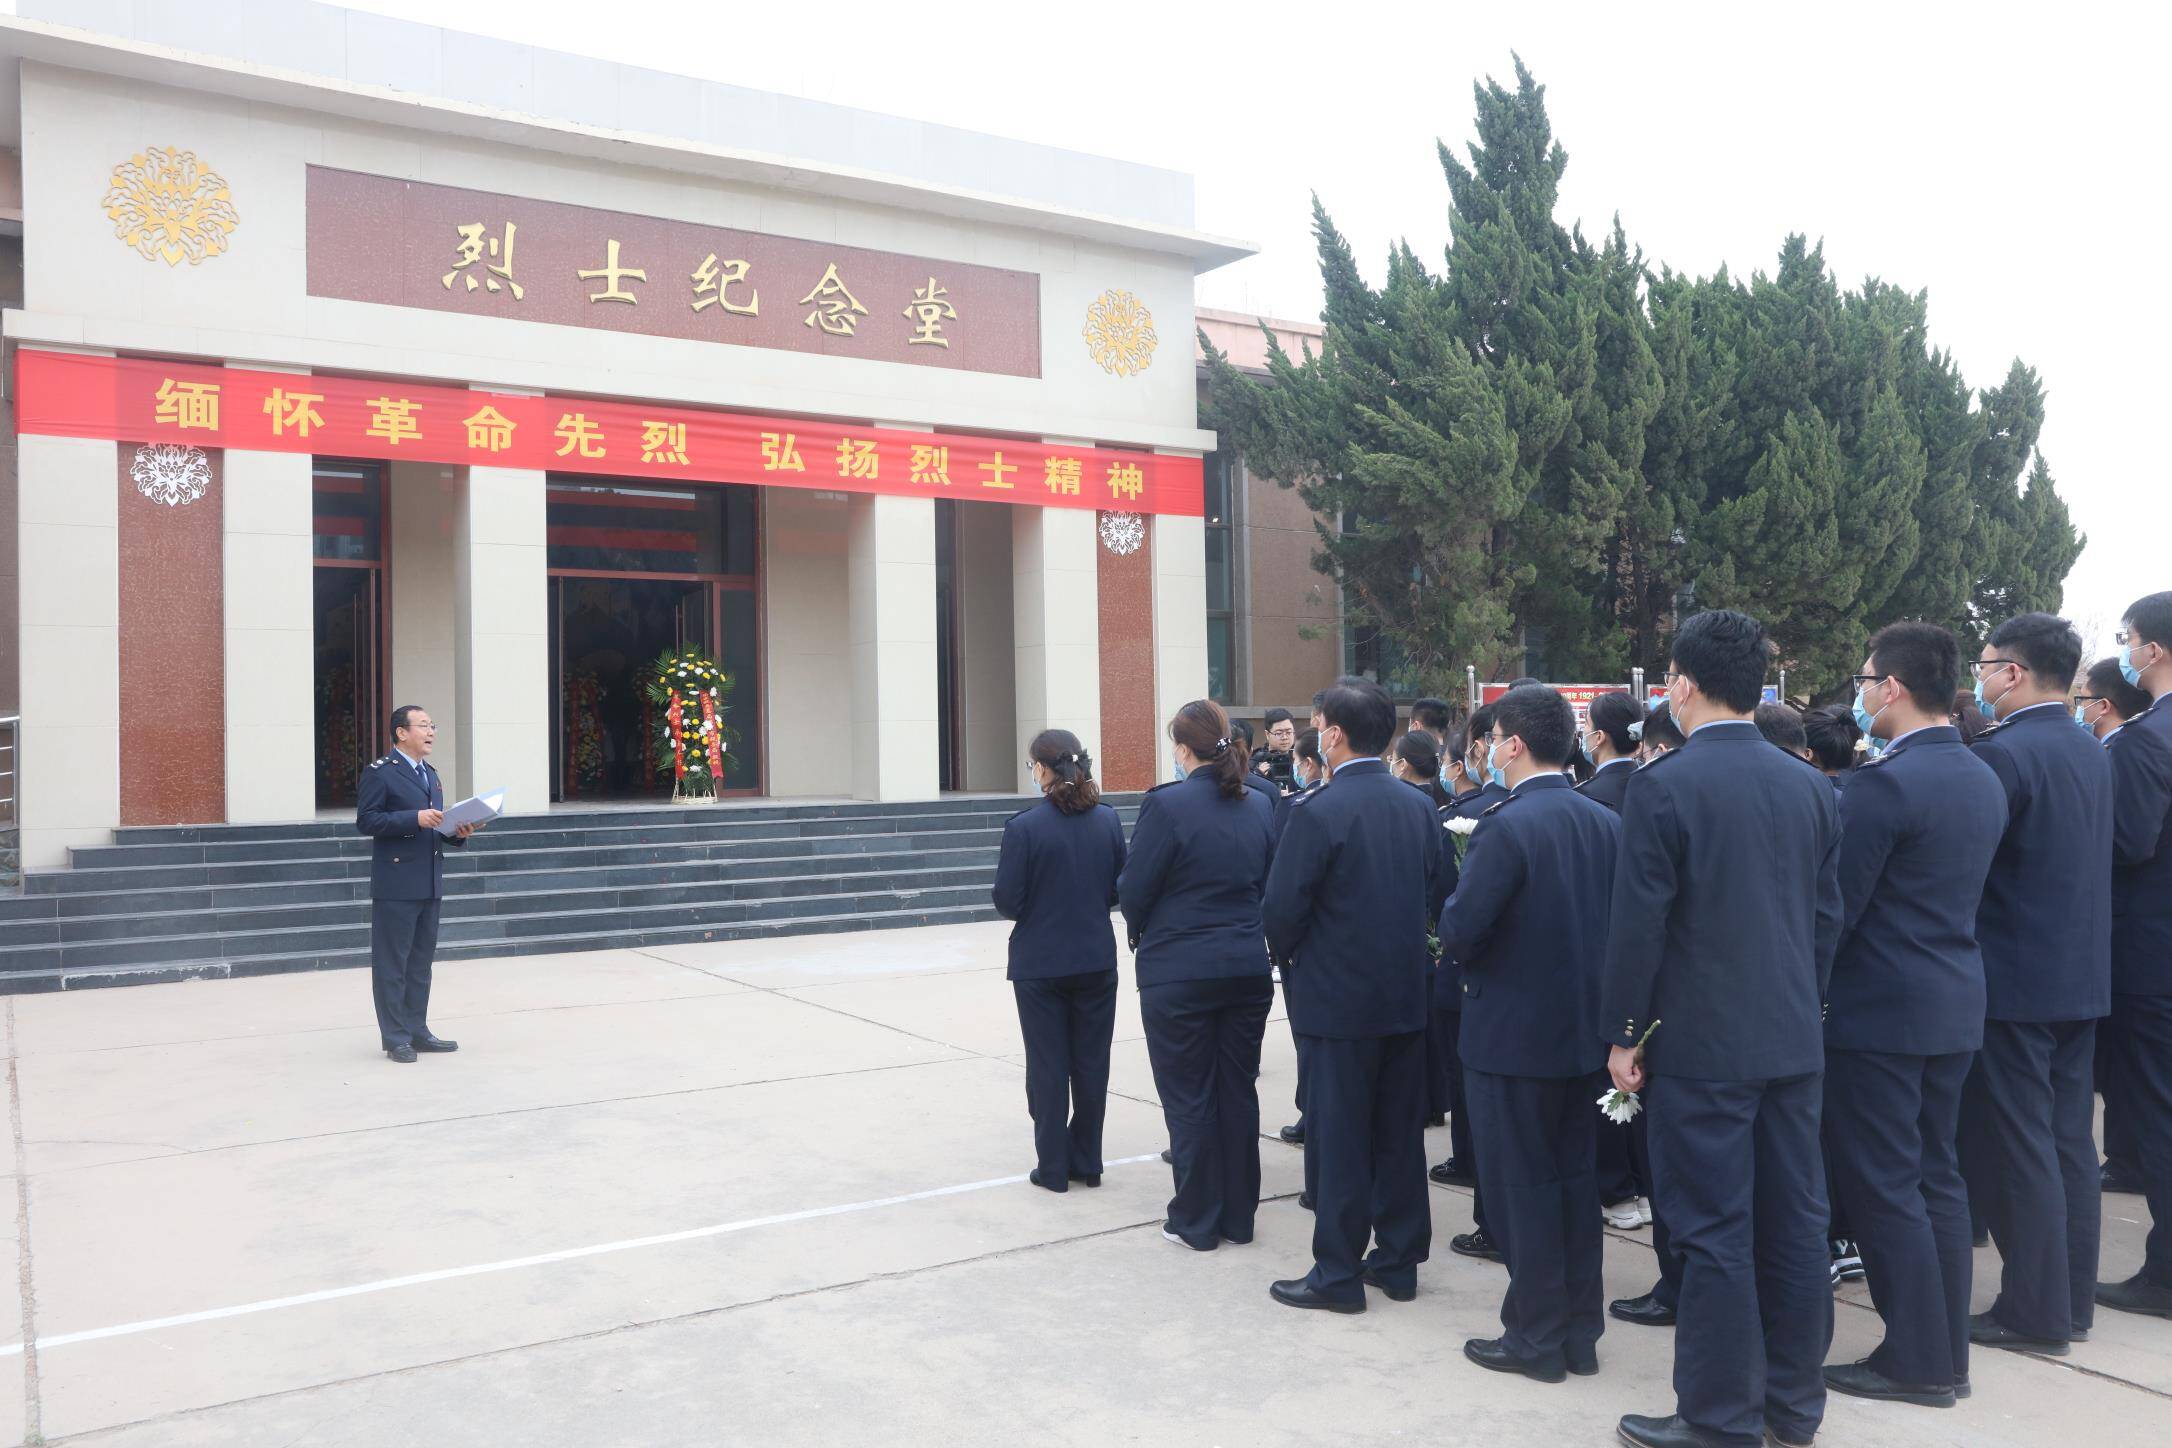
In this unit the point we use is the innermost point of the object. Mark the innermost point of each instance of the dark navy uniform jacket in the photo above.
(1278, 803)
(1527, 924)
(1726, 910)
(2045, 926)
(1918, 826)
(406, 860)
(1350, 901)
(1056, 877)
(2141, 756)
(1610, 783)
(1447, 983)
(1190, 890)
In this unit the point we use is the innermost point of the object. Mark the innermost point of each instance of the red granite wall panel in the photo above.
(1128, 723)
(172, 638)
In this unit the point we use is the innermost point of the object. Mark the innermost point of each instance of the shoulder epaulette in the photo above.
(1305, 796)
(1658, 759)
(376, 762)
(1497, 806)
(1873, 761)
(1165, 784)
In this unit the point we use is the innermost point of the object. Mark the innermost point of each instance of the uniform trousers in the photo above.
(1541, 1177)
(1737, 1170)
(2029, 1153)
(1067, 1022)
(1365, 1147)
(1440, 1062)
(403, 943)
(1891, 1122)
(1203, 1038)
(1610, 1145)
(1667, 1291)
(2118, 1140)
(2142, 1082)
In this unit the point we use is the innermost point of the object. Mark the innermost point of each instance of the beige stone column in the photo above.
(501, 636)
(890, 576)
(68, 521)
(1180, 623)
(271, 716)
(423, 503)
(1056, 627)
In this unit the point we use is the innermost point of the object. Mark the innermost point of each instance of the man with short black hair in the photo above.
(2140, 754)
(1461, 1167)
(2028, 1113)
(400, 804)
(1726, 911)
(1357, 878)
(1527, 924)
(1432, 717)
(1904, 1012)
(1278, 760)
(1783, 728)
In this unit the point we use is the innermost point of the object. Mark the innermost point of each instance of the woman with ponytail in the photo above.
(1612, 741)
(1191, 900)
(1056, 877)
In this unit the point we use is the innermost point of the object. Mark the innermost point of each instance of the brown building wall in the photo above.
(173, 653)
(1126, 592)
(1290, 627)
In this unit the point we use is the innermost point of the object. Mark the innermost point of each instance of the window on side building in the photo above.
(1222, 480)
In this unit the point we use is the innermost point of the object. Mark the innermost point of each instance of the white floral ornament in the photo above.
(1122, 533)
(171, 473)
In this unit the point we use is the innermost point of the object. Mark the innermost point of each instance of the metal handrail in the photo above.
(10, 781)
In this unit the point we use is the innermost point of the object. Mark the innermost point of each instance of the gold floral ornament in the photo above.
(164, 204)
(1120, 333)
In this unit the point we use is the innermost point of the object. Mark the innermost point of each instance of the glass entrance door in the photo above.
(347, 617)
(638, 569)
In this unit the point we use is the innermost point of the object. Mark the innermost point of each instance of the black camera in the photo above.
(1281, 769)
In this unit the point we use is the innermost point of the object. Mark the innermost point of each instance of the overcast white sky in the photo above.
(2011, 159)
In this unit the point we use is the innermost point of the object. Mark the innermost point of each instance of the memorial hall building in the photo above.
(354, 363)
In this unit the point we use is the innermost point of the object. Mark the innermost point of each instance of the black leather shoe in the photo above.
(404, 1054)
(1438, 1118)
(1090, 1178)
(1035, 1177)
(1861, 1380)
(1645, 1311)
(1774, 1438)
(1294, 1293)
(1395, 1294)
(1476, 1244)
(1294, 1133)
(1641, 1432)
(1492, 1353)
(435, 1044)
(1961, 1389)
(2120, 1179)
(1451, 1173)
(1981, 1237)
(1582, 1361)
(1304, 1199)
(1166, 1157)
(1987, 1331)
(2136, 1295)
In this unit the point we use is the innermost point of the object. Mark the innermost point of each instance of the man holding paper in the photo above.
(401, 806)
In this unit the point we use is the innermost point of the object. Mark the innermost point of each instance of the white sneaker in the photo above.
(1623, 1216)
(1644, 1210)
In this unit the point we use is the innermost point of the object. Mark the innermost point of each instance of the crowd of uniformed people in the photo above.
(1809, 996)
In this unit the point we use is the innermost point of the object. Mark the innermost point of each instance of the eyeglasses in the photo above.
(2087, 699)
(1978, 668)
(2126, 637)
(1864, 681)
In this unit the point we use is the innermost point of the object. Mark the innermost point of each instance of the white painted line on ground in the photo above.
(541, 1259)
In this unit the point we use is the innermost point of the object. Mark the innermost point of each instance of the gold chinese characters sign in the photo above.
(143, 400)
(410, 244)
(169, 207)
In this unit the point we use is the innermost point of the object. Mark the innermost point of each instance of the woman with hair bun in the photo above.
(1617, 725)
(1056, 877)
(1191, 900)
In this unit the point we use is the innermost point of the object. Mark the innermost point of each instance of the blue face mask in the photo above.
(2127, 670)
(1181, 771)
(1990, 710)
(1864, 719)
(1492, 771)
(2081, 716)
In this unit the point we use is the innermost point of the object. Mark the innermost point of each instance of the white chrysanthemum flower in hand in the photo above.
(1620, 1107)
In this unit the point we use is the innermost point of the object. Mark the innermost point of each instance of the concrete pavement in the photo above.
(764, 1193)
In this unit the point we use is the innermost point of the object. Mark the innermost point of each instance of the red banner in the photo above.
(1578, 695)
(134, 400)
